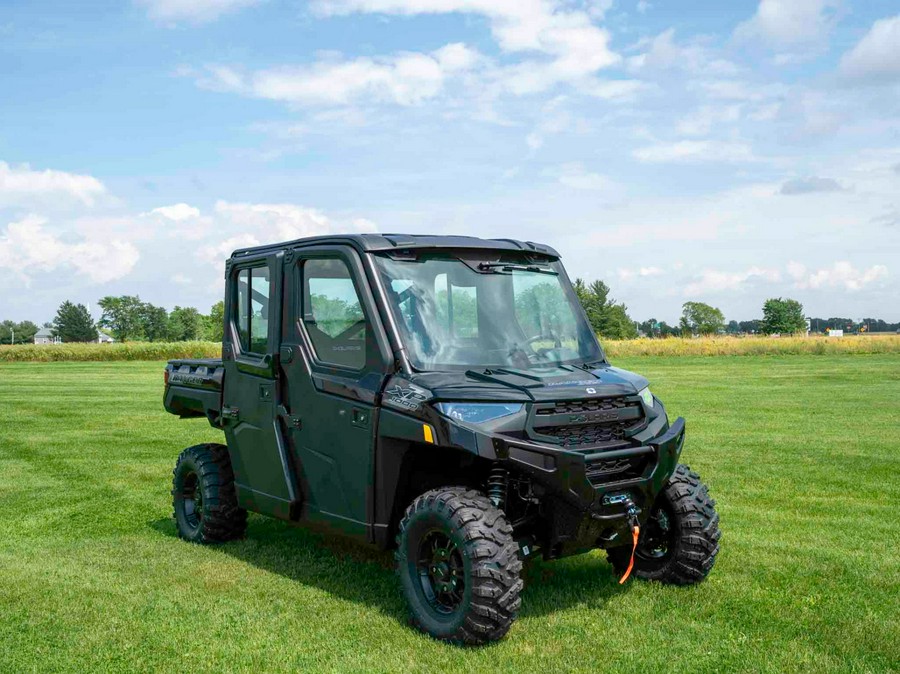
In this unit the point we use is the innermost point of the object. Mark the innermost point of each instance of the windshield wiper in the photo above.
(506, 268)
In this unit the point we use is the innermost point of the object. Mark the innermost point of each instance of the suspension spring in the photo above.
(497, 485)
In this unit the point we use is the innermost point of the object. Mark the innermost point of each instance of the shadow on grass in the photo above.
(359, 573)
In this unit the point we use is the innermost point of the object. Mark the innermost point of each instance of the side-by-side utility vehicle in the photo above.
(442, 396)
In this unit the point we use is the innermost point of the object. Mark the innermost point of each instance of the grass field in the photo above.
(816, 345)
(802, 453)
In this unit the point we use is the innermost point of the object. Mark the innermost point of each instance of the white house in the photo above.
(45, 336)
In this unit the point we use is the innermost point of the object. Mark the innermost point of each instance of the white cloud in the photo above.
(177, 212)
(406, 78)
(193, 10)
(695, 151)
(664, 53)
(716, 281)
(216, 253)
(789, 23)
(282, 222)
(575, 176)
(737, 90)
(701, 121)
(839, 275)
(877, 56)
(619, 91)
(21, 182)
(244, 225)
(627, 274)
(576, 47)
(26, 248)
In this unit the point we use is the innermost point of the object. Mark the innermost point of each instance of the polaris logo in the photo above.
(594, 417)
(591, 390)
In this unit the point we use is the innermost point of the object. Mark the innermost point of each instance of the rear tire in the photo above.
(204, 498)
(459, 567)
(680, 540)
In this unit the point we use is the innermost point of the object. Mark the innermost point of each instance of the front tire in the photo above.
(204, 497)
(459, 567)
(680, 540)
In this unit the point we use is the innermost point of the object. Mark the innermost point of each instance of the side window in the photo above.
(259, 309)
(332, 313)
(457, 307)
(242, 310)
(252, 310)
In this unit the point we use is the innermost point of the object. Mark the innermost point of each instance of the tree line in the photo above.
(128, 318)
(125, 318)
(780, 315)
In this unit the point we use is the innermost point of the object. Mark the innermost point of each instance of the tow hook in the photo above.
(632, 511)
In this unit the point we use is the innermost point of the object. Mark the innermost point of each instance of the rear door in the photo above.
(263, 472)
(337, 360)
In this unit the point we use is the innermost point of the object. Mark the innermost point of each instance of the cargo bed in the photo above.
(194, 388)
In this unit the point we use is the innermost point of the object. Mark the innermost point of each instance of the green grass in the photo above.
(801, 452)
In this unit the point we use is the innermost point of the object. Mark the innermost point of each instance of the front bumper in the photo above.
(571, 474)
(583, 513)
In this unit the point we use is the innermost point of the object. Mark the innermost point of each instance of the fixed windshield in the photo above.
(499, 311)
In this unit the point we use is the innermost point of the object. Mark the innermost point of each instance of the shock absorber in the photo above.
(496, 486)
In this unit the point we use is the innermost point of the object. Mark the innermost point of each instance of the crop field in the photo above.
(802, 453)
(818, 345)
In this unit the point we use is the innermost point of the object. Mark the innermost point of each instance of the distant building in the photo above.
(45, 336)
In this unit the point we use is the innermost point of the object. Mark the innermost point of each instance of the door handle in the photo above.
(360, 417)
(230, 413)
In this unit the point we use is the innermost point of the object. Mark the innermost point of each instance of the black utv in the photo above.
(444, 397)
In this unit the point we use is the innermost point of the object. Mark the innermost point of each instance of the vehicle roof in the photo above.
(368, 243)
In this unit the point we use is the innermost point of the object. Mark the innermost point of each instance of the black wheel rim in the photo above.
(658, 538)
(441, 572)
(192, 498)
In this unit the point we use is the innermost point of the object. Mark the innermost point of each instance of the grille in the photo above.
(588, 434)
(596, 405)
(603, 471)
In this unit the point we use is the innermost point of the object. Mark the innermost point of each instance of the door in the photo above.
(262, 470)
(339, 362)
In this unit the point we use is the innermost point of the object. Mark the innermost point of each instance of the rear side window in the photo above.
(252, 310)
(332, 313)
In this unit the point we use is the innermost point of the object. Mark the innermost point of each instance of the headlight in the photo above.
(477, 413)
(646, 396)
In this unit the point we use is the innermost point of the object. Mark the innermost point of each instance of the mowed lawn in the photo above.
(801, 452)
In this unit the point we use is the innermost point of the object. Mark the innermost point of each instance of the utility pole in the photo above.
(12, 338)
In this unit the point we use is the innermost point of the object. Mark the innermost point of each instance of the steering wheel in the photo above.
(537, 338)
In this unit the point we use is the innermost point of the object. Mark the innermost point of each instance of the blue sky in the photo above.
(711, 151)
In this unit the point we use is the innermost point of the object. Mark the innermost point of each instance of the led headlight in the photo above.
(477, 413)
(646, 396)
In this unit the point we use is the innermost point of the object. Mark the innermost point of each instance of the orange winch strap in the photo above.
(635, 532)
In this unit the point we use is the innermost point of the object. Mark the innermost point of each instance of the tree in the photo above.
(783, 316)
(73, 323)
(214, 324)
(22, 332)
(749, 327)
(733, 328)
(666, 330)
(184, 324)
(700, 318)
(608, 318)
(154, 322)
(122, 315)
